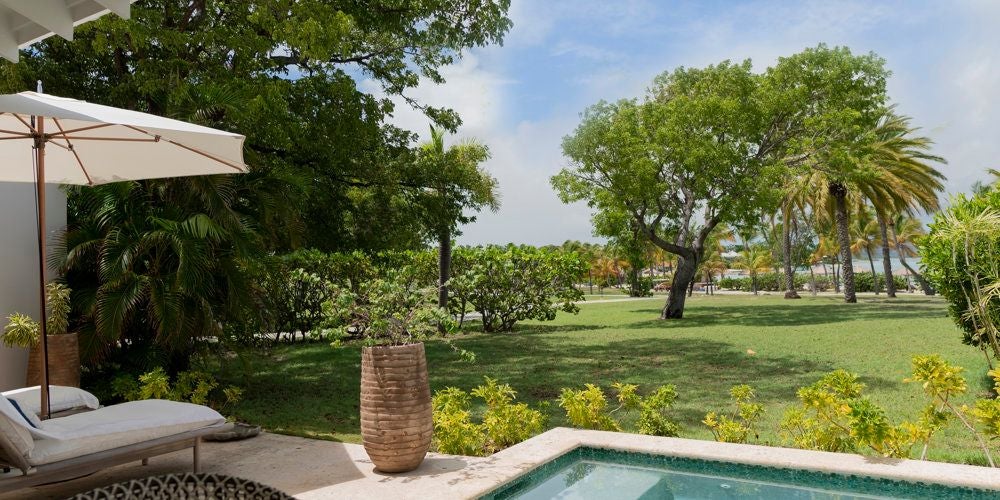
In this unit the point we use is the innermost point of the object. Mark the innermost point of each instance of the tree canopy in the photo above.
(712, 145)
(327, 170)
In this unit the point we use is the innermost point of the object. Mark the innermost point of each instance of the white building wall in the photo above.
(19, 263)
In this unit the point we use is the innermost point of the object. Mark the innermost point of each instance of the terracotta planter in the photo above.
(64, 361)
(396, 415)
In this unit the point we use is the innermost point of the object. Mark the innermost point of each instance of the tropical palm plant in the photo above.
(456, 185)
(890, 169)
(906, 232)
(157, 263)
(865, 238)
(907, 183)
(755, 259)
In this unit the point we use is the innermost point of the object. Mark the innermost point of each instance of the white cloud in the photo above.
(530, 212)
(946, 75)
(473, 91)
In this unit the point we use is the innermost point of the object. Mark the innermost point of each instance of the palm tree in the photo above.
(981, 187)
(456, 184)
(908, 184)
(891, 172)
(905, 233)
(755, 259)
(865, 237)
(714, 263)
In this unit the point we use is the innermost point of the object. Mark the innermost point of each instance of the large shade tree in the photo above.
(326, 168)
(712, 145)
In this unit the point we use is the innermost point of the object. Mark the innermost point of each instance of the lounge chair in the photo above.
(76, 445)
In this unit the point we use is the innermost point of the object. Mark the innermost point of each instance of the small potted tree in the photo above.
(392, 318)
(63, 346)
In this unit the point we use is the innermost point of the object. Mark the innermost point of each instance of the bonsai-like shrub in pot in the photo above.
(64, 347)
(393, 318)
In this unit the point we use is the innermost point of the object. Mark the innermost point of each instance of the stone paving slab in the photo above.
(305, 468)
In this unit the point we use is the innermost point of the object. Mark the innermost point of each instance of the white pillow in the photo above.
(61, 398)
(12, 414)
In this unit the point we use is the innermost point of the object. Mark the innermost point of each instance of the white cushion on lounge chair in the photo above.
(116, 426)
(61, 398)
(14, 428)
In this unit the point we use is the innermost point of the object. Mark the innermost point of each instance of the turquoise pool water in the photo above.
(590, 473)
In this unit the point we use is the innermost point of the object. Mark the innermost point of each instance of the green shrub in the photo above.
(22, 330)
(510, 284)
(740, 424)
(588, 408)
(454, 431)
(835, 416)
(863, 282)
(504, 423)
(960, 256)
(192, 387)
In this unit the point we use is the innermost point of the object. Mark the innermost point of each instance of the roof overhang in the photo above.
(24, 22)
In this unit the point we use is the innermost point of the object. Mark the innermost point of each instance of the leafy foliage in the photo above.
(387, 311)
(712, 145)
(192, 386)
(942, 381)
(154, 264)
(509, 284)
(22, 330)
(835, 416)
(588, 408)
(961, 258)
(740, 424)
(504, 423)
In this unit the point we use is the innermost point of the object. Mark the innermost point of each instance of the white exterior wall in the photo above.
(19, 263)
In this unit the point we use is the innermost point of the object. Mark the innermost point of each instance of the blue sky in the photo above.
(561, 56)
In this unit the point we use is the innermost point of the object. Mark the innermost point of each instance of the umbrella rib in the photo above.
(13, 132)
(121, 139)
(26, 124)
(81, 129)
(90, 182)
(189, 148)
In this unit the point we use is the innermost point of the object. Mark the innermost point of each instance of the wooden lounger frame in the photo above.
(72, 468)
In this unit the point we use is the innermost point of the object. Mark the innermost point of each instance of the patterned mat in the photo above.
(185, 487)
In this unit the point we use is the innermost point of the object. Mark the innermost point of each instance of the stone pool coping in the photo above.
(516, 461)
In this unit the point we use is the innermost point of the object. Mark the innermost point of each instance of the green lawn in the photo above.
(768, 342)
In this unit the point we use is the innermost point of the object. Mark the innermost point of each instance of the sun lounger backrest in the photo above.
(15, 443)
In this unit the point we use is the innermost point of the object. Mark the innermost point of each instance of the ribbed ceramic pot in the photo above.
(64, 361)
(396, 414)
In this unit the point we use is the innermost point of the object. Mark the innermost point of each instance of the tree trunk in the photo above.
(444, 267)
(812, 280)
(683, 277)
(924, 285)
(839, 193)
(836, 275)
(786, 247)
(871, 264)
(890, 284)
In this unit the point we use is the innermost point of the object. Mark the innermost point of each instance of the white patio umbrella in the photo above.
(49, 139)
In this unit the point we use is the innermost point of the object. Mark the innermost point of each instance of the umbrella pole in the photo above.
(40, 196)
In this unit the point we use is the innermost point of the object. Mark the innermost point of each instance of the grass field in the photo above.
(775, 345)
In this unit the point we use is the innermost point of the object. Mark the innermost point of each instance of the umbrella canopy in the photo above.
(44, 138)
(97, 144)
